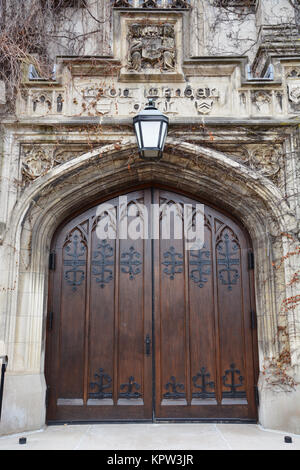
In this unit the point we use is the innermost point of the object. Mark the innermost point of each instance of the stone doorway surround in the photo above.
(198, 170)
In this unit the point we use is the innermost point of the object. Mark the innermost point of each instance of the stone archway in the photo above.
(200, 171)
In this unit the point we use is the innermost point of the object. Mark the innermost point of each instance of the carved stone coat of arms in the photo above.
(294, 92)
(151, 47)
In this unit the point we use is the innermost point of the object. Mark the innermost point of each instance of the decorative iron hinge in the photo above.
(52, 260)
(253, 320)
(250, 260)
(256, 395)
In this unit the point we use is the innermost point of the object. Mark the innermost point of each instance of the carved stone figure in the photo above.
(262, 101)
(168, 45)
(136, 46)
(59, 103)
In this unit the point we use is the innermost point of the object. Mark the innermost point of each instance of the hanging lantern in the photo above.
(151, 128)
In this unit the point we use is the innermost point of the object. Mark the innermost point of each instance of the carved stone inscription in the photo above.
(151, 47)
(128, 99)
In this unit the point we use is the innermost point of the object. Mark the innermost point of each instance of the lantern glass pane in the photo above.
(150, 130)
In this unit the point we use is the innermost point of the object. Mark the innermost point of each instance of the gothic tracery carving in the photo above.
(265, 159)
(39, 159)
(36, 162)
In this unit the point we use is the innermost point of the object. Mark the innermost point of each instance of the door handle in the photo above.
(148, 345)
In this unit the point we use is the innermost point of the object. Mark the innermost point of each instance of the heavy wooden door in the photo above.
(142, 328)
(100, 314)
(205, 353)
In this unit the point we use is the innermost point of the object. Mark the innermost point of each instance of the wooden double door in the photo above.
(144, 329)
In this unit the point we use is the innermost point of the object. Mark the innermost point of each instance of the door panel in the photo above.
(100, 297)
(204, 357)
(108, 297)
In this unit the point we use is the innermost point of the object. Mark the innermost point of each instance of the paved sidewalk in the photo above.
(152, 437)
